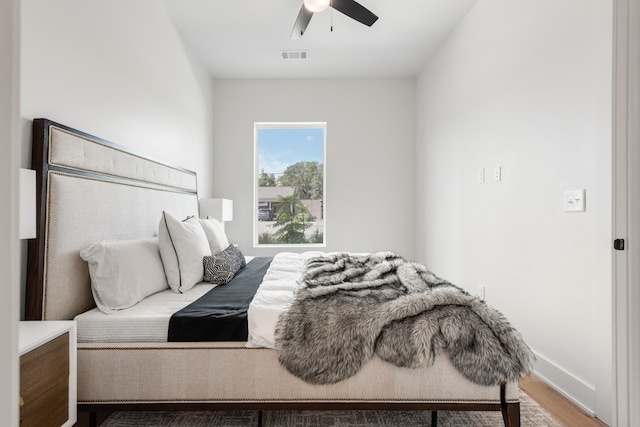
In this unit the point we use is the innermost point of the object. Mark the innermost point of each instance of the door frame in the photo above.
(626, 211)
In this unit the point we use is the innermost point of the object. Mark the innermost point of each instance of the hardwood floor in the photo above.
(557, 405)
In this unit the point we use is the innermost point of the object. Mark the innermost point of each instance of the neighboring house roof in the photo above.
(270, 194)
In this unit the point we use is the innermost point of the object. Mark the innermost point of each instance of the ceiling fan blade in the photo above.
(301, 23)
(355, 10)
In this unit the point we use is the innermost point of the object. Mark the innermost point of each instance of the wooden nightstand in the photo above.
(48, 386)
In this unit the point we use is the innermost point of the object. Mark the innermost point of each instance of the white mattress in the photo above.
(147, 321)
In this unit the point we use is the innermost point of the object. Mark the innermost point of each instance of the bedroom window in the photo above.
(289, 184)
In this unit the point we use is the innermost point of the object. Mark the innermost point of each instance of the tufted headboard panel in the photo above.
(89, 190)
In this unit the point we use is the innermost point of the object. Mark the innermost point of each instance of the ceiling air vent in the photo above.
(294, 54)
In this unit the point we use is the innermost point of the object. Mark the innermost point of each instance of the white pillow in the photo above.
(216, 236)
(183, 245)
(124, 272)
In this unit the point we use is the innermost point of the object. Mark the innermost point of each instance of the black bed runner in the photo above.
(221, 313)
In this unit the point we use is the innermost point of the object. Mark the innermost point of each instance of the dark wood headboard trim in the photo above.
(40, 163)
(35, 250)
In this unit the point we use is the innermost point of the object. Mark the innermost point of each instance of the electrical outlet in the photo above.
(574, 201)
(481, 292)
(497, 174)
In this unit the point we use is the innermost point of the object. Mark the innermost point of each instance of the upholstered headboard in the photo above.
(89, 190)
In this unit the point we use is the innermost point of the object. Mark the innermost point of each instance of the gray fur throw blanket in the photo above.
(351, 307)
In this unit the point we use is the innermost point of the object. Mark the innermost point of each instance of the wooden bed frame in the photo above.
(91, 189)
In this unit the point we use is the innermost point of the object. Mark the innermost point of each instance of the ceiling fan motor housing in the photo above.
(317, 5)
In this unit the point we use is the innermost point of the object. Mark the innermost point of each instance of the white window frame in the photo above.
(256, 174)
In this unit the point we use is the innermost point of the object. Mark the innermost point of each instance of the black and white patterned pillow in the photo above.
(220, 268)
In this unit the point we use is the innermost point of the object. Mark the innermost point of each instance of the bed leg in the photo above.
(259, 418)
(93, 419)
(510, 411)
(511, 414)
(434, 418)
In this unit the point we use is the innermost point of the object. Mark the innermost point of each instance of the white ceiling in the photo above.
(245, 38)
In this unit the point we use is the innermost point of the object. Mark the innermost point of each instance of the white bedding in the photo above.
(148, 320)
(274, 296)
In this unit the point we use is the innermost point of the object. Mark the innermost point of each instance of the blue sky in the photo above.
(281, 147)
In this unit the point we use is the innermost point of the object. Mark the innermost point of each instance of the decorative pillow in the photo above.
(221, 268)
(215, 235)
(183, 244)
(124, 272)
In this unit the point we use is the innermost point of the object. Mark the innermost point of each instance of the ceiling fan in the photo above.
(351, 8)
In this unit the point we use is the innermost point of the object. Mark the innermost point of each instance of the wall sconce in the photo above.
(220, 209)
(27, 204)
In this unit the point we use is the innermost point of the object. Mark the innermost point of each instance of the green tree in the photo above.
(306, 178)
(267, 239)
(293, 220)
(266, 179)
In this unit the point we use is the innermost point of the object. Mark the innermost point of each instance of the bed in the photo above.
(91, 190)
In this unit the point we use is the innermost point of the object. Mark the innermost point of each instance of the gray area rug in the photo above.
(531, 415)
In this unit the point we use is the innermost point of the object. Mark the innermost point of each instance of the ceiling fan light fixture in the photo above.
(317, 5)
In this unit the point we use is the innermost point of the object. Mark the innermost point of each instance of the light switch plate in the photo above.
(574, 201)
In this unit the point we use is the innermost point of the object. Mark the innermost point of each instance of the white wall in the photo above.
(370, 182)
(526, 85)
(9, 253)
(117, 70)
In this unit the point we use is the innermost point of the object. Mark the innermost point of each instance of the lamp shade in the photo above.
(27, 204)
(220, 209)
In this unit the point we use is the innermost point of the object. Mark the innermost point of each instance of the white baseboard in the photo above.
(564, 382)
